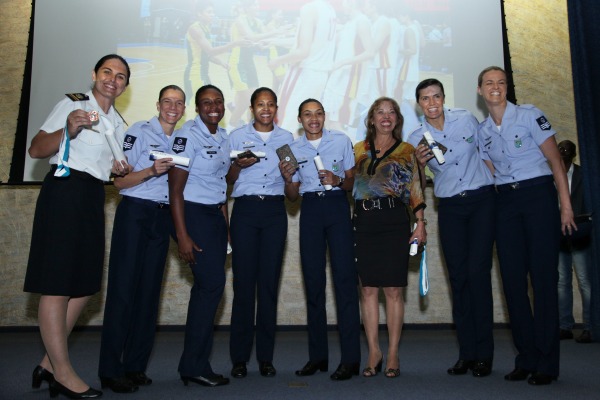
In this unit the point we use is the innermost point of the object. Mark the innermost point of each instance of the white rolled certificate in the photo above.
(437, 152)
(115, 147)
(320, 166)
(179, 160)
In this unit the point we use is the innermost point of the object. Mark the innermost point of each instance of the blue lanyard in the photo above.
(423, 274)
(62, 169)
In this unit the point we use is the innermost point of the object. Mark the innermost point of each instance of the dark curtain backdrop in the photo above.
(584, 20)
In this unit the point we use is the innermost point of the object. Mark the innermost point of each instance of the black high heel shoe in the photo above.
(41, 374)
(369, 372)
(56, 388)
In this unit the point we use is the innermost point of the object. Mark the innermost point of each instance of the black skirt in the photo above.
(67, 243)
(381, 245)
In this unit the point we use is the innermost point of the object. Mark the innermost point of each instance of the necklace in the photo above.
(381, 148)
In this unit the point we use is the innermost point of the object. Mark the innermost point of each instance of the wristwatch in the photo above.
(341, 182)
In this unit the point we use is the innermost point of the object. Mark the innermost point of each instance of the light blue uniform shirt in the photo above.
(140, 139)
(209, 161)
(464, 169)
(335, 151)
(515, 148)
(263, 177)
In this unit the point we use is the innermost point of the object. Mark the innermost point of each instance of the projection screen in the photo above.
(378, 47)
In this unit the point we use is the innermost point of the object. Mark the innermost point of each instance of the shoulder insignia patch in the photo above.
(128, 142)
(77, 96)
(543, 123)
(179, 145)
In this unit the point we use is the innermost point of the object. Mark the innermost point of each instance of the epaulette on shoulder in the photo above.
(418, 128)
(458, 110)
(239, 128)
(526, 106)
(77, 96)
(336, 132)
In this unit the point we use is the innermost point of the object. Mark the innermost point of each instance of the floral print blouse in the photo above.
(392, 174)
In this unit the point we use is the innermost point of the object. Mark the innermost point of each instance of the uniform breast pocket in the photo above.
(494, 149)
(91, 138)
(516, 143)
(457, 147)
(209, 154)
(336, 163)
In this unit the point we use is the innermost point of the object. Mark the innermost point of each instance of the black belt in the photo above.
(328, 193)
(209, 206)
(523, 184)
(467, 193)
(77, 173)
(150, 203)
(262, 197)
(378, 203)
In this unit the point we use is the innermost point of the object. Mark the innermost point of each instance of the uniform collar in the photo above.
(221, 132)
(325, 138)
(510, 113)
(112, 114)
(450, 116)
(251, 129)
(156, 126)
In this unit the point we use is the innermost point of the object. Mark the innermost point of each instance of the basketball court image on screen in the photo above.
(345, 53)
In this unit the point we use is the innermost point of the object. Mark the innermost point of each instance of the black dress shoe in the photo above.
(540, 379)
(585, 337)
(517, 374)
(138, 378)
(311, 367)
(56, 388)
(266, 368)
(40, 374)
(345, 372)
(461, 367)
(565, 334)
(481, 368)
(118, 385)
(239, 370)
(211, 380)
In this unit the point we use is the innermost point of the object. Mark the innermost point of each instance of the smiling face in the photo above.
(210, 106)
(493, 87)
(171, 107)
(384, 118)
(431, 101)
(111, 79)
(264, 109)
(312, 118)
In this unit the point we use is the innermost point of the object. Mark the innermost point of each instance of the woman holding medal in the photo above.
(325, 223)
(258, 233)
(67, 244)
(464, 188)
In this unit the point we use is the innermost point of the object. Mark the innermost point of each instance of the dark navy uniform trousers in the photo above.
(207, 227)
(467, 232)
(527, 240)
(258, 234)
(140, 242)
(325, 222)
